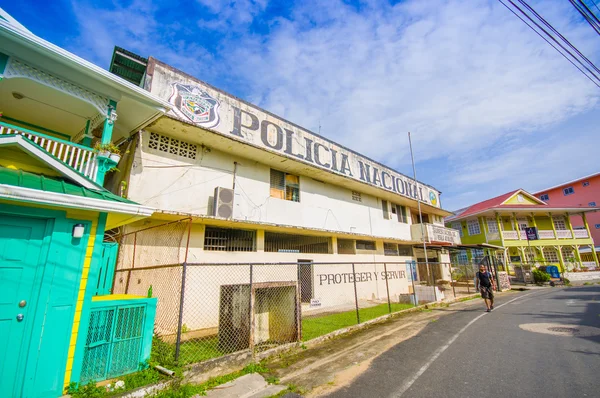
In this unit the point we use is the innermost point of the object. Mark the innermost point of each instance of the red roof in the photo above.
(486, 204)
(496, 202)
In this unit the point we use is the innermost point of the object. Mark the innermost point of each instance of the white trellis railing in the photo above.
(79, 157)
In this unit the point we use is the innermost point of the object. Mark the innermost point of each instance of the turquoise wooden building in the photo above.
(58, 321)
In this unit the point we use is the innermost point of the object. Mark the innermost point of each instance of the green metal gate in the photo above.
(119, 337)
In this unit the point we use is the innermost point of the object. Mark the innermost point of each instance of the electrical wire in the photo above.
(587, 14)
(573, 58)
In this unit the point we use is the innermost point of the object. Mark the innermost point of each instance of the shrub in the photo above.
(540, 276)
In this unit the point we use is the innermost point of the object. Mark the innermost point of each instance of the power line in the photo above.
(587, 14)
(548, 38)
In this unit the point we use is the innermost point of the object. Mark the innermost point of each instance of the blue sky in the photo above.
(491, 107)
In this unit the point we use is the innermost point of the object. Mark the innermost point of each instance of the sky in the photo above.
(491, 107)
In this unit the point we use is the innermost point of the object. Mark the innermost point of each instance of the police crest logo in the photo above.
(195, 104)
(432, 198)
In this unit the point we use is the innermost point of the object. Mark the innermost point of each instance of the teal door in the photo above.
(23, 252)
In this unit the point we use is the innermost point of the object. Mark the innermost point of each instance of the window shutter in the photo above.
(386, 210)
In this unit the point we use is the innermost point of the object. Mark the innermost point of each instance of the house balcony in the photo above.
(436, 234)
(547, 234)
(80, 158)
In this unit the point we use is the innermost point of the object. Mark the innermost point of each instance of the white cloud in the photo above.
(477, 88)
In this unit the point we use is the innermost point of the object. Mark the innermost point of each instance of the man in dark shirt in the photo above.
(485, 284)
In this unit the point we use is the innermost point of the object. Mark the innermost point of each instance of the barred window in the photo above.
(559, 223)
(285, 186)
(365, 245)
(390, 249)
(346, 246)
(477, 254)
(550, 255)
(356, 196)
(230, 240)
(405, 250)
(173, 146)
(290, 243)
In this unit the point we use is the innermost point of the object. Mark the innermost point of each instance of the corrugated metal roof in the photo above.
(40, 182)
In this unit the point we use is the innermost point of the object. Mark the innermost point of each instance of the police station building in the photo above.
(262, 189)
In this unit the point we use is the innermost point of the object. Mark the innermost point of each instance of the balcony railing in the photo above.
(79, 157)
(547, 234)
(581, 233)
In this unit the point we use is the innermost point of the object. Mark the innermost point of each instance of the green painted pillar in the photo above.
(111, 117)
(87, 139)
(104, 165)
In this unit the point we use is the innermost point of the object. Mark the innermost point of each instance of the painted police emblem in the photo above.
(433, 198)
(195, 104)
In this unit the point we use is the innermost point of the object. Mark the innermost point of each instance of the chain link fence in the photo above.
(207, 311)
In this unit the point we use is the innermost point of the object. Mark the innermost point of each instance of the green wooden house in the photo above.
(58, 321)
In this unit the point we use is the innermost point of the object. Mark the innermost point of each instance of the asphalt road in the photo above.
(478, 354)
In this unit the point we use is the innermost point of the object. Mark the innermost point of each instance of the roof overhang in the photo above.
(166, 215)
(11, 192)
(136, 107)
(535, 209)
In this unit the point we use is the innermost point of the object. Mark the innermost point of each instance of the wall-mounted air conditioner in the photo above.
(223, 203)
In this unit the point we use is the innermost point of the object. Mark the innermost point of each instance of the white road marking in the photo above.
(443, 348)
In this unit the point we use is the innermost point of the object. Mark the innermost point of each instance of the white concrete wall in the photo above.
(174, 183)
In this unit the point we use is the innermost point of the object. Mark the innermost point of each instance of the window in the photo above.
(346, 246)
(545, 197)
(473, 227)
(476, 254)
(285, 186)
(592, 204)
(550, 255)
(400, 212)
(492, 225)
(568, 255)
(356, 196)
(559, 223)
(172, 146)
(461, 257)
(457, 226)
(568, 191)
(386, 210)
(522, 224)
(365, 245)
(290, 243)
(390, 249)
(230, 240)
(586, 183)
(405, 250)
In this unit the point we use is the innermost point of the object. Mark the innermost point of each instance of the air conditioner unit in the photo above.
(223, 202)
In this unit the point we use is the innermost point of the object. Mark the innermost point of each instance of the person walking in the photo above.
(485, 284)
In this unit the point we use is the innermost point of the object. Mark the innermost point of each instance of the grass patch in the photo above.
(199, 350)
(319, 326)
(469, 298)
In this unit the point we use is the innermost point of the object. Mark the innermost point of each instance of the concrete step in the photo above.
(242, 387)
(269, 391)
(247, 386)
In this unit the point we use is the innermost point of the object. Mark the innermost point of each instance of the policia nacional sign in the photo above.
(209, 108)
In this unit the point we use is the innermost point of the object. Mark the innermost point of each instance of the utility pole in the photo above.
(412, 157)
